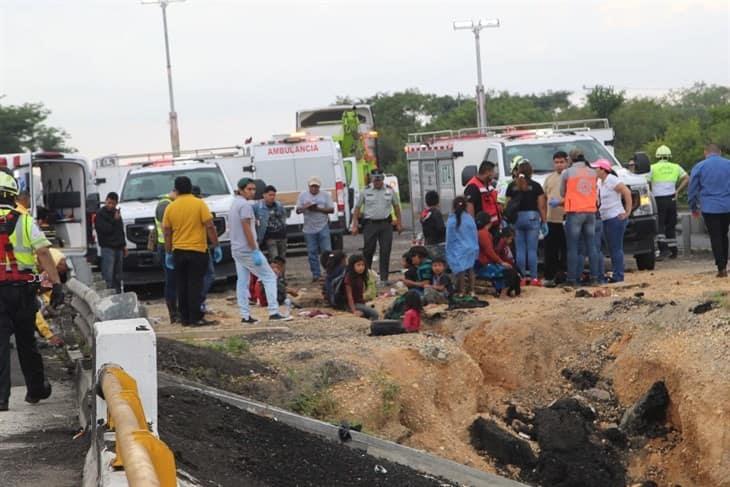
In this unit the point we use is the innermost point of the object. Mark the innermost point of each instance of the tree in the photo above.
(23, 128)
(604, 100)
(638, 122)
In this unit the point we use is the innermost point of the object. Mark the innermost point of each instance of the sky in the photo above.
(242, 68)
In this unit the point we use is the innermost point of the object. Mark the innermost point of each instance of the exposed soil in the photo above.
(227, 446)
(507, 364)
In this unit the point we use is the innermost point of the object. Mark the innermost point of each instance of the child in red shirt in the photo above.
(412, 316)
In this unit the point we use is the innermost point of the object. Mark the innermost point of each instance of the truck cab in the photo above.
(139, 195)
(445, 161)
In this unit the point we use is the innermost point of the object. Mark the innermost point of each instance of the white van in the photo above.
(287, 162)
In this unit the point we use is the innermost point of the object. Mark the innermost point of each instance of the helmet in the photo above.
(663, 152)
(8, 184)
(516, 160)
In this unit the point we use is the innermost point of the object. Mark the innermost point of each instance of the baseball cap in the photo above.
(314, 181)
(603, 164)
(243, 182)
(377, 174)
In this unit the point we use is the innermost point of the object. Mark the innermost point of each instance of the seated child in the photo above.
(412, 316)
(490, 265)
(418, 270)
(278, 265)
(504, 246)
(355, 282)
(335, 264)
(441, 288)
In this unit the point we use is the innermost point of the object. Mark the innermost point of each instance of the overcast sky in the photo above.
(242, 68)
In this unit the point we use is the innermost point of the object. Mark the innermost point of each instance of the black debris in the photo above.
(703, 308)
(583, 379)
(500, 444)
(648, 415)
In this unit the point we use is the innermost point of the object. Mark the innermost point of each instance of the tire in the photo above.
(645, 262)
(386, 327)
(337, 242)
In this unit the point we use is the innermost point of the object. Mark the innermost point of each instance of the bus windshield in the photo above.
(147, 186)
(541, 155)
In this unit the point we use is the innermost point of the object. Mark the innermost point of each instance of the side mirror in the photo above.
(643, 164)
(467, 173)
(93, 201)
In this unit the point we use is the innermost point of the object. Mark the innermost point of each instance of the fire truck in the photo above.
(444, 161)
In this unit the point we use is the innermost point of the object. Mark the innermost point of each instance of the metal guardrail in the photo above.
(147, 461)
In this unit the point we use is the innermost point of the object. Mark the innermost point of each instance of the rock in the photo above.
(434, 352)
(517, 413)
(584, 379)
(597, 394)
(616, 436)
(648, 413)
(703, 308)
(521, 427)
(499, 444)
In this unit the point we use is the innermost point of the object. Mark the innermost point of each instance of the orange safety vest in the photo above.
(581, 191)
(489, 198)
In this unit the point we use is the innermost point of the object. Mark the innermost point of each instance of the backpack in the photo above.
(335, 289)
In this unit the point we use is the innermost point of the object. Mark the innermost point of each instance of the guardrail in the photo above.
(118, 346)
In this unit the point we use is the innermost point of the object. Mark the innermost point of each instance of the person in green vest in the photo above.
(668, 179)
(170, 289)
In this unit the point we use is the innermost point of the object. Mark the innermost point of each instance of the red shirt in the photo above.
(412, 320)
(487, 254)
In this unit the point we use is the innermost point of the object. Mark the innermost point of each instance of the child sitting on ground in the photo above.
(278, 265)
(412, 316)
(418, 270)
(504, 246)
(490, 265)
(440, 289)
(335, 265)
(356, 280)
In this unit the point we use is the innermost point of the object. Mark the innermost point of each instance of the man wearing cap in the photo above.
(375, 204)
(315, 206)
(579, 190)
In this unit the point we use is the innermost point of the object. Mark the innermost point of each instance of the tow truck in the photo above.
(445, 160)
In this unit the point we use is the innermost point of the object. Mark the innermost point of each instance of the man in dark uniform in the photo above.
(21, 242)
(375, 205)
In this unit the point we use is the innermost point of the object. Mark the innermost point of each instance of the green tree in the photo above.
(604, 100)
(686, 141)
(638, 122)
(23, 128)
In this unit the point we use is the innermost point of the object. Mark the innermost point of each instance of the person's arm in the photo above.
(248, 234)
(356, 213)
(350, 299)
(396, 208)
(563, 183)
(212, 234)
(683, 183)
(625, 193)
(329, 206)
(694, 191)
(47, 265)
(102, 224)
(301, 207)
(470, 198)
(542, 207)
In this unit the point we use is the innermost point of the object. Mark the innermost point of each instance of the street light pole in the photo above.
(476, 27)
(174, 132)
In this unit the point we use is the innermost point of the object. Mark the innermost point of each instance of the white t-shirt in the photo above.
(240, 210)
(611, 205)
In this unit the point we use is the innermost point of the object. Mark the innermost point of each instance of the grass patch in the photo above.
(235, 345)
(319, 404)
(389, 391)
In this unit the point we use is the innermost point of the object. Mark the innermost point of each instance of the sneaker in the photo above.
(204, 322)
(249, 321)
(3, 406)
(278, 317)
(722, 273)
(45, 395)
(549, 283)
(535, 282)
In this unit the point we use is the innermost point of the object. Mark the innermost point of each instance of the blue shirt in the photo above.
(709, 185)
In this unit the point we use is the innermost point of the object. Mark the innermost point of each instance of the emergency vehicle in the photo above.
(59, 202)
(288, 161)
(145, 178)
(446, 160)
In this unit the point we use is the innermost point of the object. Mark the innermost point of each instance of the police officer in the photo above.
(21, 242)
(375, 205)
(667, 179)
(170, 289)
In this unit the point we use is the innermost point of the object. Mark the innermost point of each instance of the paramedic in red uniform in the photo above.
(21, 242)
(481, 194)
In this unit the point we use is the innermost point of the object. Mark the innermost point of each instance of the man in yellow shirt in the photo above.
(188, 227)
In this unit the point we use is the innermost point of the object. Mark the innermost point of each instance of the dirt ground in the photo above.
(425, 390)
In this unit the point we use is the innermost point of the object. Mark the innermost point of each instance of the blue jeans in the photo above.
(581, 227)
(527, 234)
(316, 244)
(111, 268)
(208, 280)
(244, 268)
(170, 286)
(598, 242)
(614, 230)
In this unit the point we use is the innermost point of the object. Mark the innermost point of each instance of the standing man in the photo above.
(188, 227)
(315, 207)
(709, 192)
(271, 224)
(248, 257)
(21, 243)
(579, 190)
(110, 234)
(170, 292)
(481, 194)
(667, 179)
(556, 251)
(375, 204)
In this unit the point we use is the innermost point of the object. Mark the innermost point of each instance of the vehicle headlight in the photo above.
(644, 206)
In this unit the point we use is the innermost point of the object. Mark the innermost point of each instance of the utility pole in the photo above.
(174, 132)
(476, 27)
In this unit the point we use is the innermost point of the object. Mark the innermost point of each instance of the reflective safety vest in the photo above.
(158, 223)
(17, 262)
(489, 198)
(664, 177)
(581, 191)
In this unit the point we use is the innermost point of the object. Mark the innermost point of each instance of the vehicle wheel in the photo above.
(386, 327)
(645, 262)
(337, 243)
